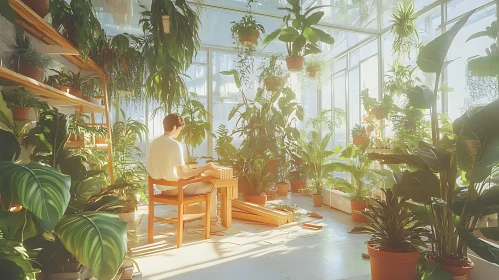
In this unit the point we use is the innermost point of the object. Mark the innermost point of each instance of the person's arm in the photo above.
(184, 173)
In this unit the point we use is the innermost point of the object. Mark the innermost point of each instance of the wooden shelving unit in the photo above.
(42, 30)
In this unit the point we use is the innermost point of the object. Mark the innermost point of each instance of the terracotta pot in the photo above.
(317, 198)
(358, 206)
(87, 98)
(360, 140)
(73, 137)
(256, 199)
(249, 37)
(272, 166)
(100, 140)
(20, 113)
(272, 84)
(14, 206)
(390, 265)
(271, 195)
(456, 268)
(76, 92)
(243, 186)
(31, 71)
(66, 89)
(41, 7)
(297, 185)
(380, 114)
(282, 189)
(166, 24)
(295, 63)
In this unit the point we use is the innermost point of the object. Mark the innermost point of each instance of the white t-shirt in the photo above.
(165, 154)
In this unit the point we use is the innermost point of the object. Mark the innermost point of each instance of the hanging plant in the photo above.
(273, 76)
(404, 29)
(245, 34)
(301, 37)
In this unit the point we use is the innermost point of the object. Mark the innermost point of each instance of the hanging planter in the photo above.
(312, 71)
(272, 83)
(166, 24)
(248, 37)
(295, 63)
(40, 7)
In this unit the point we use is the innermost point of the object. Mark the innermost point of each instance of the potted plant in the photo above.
(282, 172)
(196, 127)
(297, 177)
(20, 102)
(272, 75)
(471, 147)
(246, 31)
(363, 177)
(271, 193)
(91, 89)
(127, 195)
(396, 237)
(301, 37)
(259, 179)
(78, 23)
(26, 60)
(379, 109)
(76, 83)
(359, 135)
(317, 160)
(100, 135)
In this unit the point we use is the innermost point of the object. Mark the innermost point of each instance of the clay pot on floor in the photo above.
(40, 7)
(20, 113)
(259, 199)
(358, 206)
(282, 189)
(295, 63)
(317, 198)
(76, 92)
(456, 268)
(297, 185)
(31, 71)
(271, 195)
(391, 265)
(360, 140)
(248, 37)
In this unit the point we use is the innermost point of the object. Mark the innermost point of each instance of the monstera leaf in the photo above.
(42, 190)
(97, 240)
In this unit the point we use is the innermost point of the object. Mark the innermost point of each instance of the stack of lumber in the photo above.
(220, 173)
(253, 212)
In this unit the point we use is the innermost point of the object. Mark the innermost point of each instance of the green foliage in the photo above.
(359, 130)
(21, 51)
(19, 97)
(392, 226)
(78, 23)
(490, 31)
(15, 261)
(373, 106)
(76, 81)
(224, 148)
(196, 124)
(168, 56)
(273, 72)
(405, 30)
(301, 37)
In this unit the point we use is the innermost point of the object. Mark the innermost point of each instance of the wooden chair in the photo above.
(180, 201)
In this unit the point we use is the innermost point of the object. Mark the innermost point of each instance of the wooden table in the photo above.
(228, 191)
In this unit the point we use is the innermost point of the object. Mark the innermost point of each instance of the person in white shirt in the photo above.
(166, 161)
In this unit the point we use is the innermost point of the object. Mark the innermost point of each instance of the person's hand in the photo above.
(210, 166)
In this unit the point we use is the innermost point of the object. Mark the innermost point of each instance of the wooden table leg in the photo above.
(224, 208)
(228, 215)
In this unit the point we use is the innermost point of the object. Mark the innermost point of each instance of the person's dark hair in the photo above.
(172, 120)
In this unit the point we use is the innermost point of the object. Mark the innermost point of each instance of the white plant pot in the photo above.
(340, 201)
(127, 217)
(326, 196)
(166, 24)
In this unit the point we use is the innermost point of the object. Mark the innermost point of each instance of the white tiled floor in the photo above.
(252, 251)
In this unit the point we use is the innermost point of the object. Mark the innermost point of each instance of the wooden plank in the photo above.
(265, 214)
(61, 98)
(39, 28)
(255, 218)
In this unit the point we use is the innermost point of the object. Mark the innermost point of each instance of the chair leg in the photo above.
(207, 214)
(150, 223)
(180, 225)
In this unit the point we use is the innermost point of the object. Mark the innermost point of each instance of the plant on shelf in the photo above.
(91, 89)
(380, 109)
(165, 81)
(245, 34)
(397, 236)
(273, 76)
(78, 23)
(316, 67)
(364, 178)
(359, 135)
(410, 127)
(77, 82)
(60, 80)
(24, 59)
(404, 29)
(432, 179)
(224, 148)
(196, 128)
(20, 101)
(301, 37)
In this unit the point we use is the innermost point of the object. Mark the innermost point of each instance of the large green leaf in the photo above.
(10, 149)
(15, 252)
(97, 240)
(323, 36)
(419, 186)
(271, 37)
(313, 19)
(234, 74)
(478, 141)
(483, 249)
(42, 190)
(419, 97)
(87, 188)
(436, 160)
(310, 35)
(17, 226)
(434, 271)
(432, 56)
(6, 120)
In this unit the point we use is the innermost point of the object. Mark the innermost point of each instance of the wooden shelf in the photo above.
(42, 30)
(49, 94)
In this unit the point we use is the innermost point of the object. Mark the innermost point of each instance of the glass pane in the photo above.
(353, 97)
(339, 101)
(456, 8)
